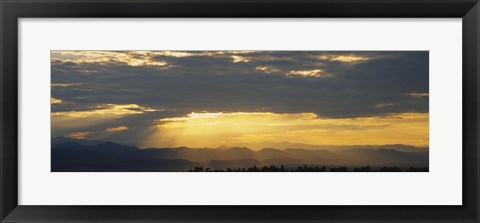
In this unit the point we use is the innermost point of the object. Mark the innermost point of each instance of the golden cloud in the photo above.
(418, 95)
(266, 69)
(344, 58)
(308, 73)
(106, 110)
(139, 58)
(67, 121)
(243, 59)
(237, 56)
(131, 58)
(117, 129)
(55, 101)
(171, 53)
(78, 135)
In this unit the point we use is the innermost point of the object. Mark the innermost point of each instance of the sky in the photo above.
(235, 98)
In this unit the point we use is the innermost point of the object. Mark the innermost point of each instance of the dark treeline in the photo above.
(305, 168)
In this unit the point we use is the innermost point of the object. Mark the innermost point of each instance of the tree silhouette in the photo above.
(362, 169)
(339, 169)
(306, 168)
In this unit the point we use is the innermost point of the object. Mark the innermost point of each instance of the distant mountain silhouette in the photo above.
(379, 156)
(91, 156)
(289, 145)
(111, 157)
(61, 139)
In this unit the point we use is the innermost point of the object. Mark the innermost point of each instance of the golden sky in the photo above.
(214, 129)
(240, 128)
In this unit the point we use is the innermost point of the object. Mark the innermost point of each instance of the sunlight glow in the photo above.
(241, 128)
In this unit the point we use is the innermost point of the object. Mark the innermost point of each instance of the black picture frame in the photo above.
(12, 10)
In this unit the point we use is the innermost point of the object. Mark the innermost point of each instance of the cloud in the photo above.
(308, 73)
(96, 119)
(131, 58)
(206, 118)
(267, 70)
(236, 56)
(55, 101)
(171, 53)
(78, 135)
(382, 105)
(64, 85)
(228, 53)
(348, 58)
(237, 59)
(198, 81)
(89, 62)
(417, 95)
(106, 110)
(117, 129)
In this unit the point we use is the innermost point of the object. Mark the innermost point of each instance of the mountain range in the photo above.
(74, 155)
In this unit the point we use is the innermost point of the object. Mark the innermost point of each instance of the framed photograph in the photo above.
(229, 111)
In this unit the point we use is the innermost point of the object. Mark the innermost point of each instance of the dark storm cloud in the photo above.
(349, 84)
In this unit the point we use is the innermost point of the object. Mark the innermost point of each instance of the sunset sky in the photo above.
(236, 98)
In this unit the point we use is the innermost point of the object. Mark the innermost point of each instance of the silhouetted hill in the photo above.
(111, 157)
(289, 145)
(61, 139)
(75, 155)
(379, 157)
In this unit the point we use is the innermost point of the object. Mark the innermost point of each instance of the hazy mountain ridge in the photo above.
(289, 145)
(111, 157)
